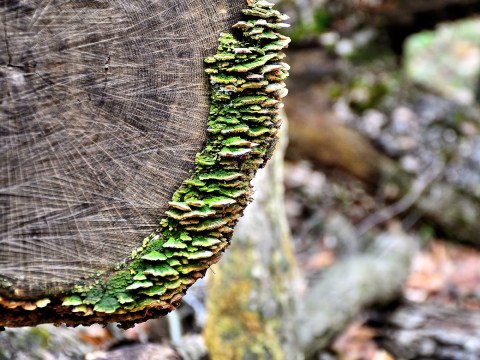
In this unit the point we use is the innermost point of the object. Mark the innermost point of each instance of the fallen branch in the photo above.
(343, 291)
(428, 331)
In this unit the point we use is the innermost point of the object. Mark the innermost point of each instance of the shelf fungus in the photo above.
(246, 82)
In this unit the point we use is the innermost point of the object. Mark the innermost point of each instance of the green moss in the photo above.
(246, 86)
(221, 175)
(200, 255)
(233, 152)
(174, 262)
(252, 65)
(203, 212)
(140, 276)
(219, 202)
(207, 225)
(205, 241)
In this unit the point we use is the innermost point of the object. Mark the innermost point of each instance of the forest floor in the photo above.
(447, 61)
(441, 272)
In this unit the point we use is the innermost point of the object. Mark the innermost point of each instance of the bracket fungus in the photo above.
(245, 89)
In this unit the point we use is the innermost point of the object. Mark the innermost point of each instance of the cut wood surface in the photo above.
(101, 100)
(103, 109)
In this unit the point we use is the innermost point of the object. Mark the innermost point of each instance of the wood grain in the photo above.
(103, 106)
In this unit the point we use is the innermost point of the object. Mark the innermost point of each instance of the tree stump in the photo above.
(122, 171)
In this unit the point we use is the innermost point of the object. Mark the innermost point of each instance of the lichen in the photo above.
(246, 85)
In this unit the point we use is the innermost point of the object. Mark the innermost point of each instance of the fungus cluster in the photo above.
(246, 86)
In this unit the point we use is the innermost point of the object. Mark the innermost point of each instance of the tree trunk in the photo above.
(253, 293)
(122, 172)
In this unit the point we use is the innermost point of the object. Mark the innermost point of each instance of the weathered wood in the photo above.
(258, 305)
(428, 331)
(104, 116)
(93, 114)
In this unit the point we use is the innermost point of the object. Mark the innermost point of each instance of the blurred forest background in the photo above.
(361, 244)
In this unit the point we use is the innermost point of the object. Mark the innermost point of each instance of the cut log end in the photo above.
(86, 177)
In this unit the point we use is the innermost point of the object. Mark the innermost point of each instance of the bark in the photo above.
(428, 331)
(253, 291)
